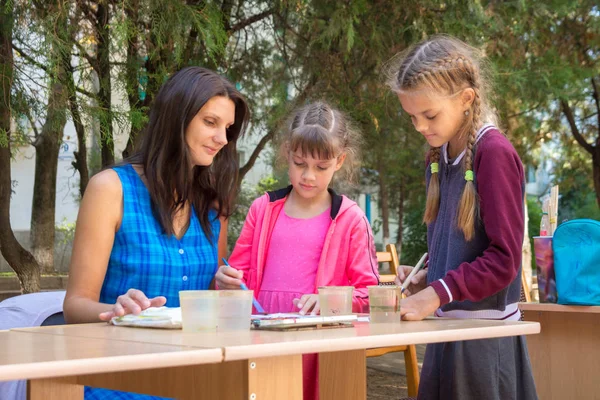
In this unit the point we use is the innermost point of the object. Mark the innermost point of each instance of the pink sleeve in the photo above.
(362, 267)
(242, 252)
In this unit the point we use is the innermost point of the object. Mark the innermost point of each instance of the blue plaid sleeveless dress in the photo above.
(144, 258)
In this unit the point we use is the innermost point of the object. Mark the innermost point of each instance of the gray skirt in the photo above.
(486, 369)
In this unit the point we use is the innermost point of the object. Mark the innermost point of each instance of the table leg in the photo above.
(54, 389)
(343, 375)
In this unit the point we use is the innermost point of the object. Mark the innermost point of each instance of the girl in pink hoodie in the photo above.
(305, 236)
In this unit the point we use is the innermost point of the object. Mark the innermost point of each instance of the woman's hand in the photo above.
(417, 282)
(420, 305)
(132, 302)
(228, 278)
(307, 303)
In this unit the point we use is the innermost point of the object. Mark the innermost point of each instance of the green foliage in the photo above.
(415, 234)
(244, 200)
(3, 138)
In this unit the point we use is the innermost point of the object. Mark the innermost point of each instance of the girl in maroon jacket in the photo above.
(475, 223)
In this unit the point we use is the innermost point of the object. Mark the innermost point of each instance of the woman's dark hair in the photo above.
(171, 177)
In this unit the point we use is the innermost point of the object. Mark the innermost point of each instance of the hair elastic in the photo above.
(469, 175)
(435, 168)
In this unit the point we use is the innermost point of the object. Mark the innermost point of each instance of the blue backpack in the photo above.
(576, 246)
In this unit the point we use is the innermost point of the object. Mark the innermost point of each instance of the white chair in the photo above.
(25, 311)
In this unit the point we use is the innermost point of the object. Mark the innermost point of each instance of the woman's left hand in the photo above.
(307, 303)
(419, 305)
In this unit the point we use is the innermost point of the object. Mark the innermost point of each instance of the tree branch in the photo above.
(255, 153)
(576, 134)
(524, 112)
(597, 101)
(88, 11)
(83, 52)
(29, 58)
(36, 133)
(249, 21)
(85, 92)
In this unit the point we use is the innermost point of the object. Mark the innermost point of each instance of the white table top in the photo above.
(92, 347)
(29, 355)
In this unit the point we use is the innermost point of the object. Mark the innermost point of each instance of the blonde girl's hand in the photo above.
(132, 302)
(420, 305)
(307, 303)
(228, 278)
(417, 282)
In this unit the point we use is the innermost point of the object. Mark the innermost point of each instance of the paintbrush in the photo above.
(412, 273)
(257, 305)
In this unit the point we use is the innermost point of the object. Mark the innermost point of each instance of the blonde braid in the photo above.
(468, 202)
(432, 204)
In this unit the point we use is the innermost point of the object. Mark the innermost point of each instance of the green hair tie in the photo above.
(469, 175)
(435, 168)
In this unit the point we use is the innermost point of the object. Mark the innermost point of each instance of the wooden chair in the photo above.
(526, 292)
(410, 352)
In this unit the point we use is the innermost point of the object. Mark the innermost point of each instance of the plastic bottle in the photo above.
(544, 224)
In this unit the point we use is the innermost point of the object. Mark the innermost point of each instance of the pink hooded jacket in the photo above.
(348, 257)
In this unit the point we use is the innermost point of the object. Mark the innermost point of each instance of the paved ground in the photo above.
(386, 376)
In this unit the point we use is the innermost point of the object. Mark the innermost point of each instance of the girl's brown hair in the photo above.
(321, 131)
(445, 65)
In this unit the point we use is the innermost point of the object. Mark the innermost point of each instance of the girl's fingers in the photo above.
(307, 302)
(412, 315)
(235, 273)
(229, 282)
(316, 309)
(404, 271)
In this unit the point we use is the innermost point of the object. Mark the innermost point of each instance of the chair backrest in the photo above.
(390, 256)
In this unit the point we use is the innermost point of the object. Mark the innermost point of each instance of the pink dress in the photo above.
(291, 271)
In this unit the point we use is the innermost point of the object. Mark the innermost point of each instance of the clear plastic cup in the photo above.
(235, 310)
(335, 300)
(199, 309)
(384, 304)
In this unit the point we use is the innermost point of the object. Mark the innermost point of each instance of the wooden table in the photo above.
(565, 356)
(252, 365)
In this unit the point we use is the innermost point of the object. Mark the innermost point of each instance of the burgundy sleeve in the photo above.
(500, 180)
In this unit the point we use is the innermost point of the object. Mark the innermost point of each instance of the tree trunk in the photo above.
(47, 147)
(19, 259)
(104, 93)
(80, 162)
(132, 75)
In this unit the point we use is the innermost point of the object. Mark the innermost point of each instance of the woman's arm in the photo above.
(98, 219)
